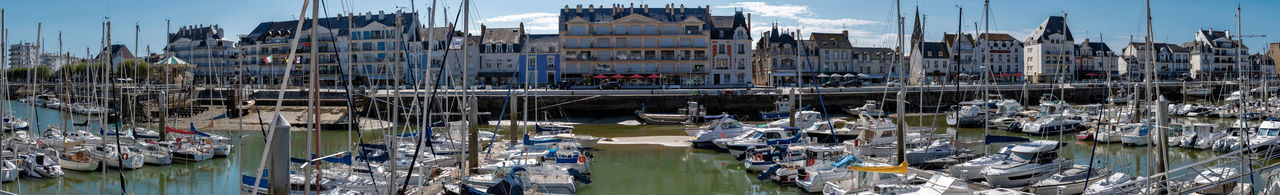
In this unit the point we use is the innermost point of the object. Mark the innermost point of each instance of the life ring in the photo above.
(804, 176)
(722, 135)
(582, 159)
(857, 143)
(759, 157)
(125, 156)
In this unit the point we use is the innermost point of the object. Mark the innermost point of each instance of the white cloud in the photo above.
(537, 22)
(764, 9)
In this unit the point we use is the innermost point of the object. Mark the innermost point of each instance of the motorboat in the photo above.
(815, 158)
(969, 171)
(782, 109)
(1027, 164)
(41, 164)
(1214, 176)
(78, 159)
(1116, 183)
(761, 139)
(1202, 136)
(831, 132)
(13, 122)
(939, 148)
(870, 108)
(722, 126)
(937, 184)
(1052, 125)
(967, 116)
(803, 119)
(690, 114)
(1069, 181)
(1267, 136)
(1137, 136)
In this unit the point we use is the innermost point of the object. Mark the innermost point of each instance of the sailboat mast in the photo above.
(986, 50)
(902, 93)
(315, 86)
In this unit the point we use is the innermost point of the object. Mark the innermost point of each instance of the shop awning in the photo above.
(617, 76)
(636, 76)
(654, 76)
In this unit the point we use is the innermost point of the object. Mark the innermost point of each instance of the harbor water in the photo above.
(617, 169)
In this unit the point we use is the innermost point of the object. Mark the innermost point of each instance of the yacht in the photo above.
(870, 108)
(815, 177)
(831, 132)
(1027, 164)
(761, 139)
(1268, 134)
(803, 119)
(723, 126)
(1137, 136)
(939, 148)
(1069, 181)
(1052, 125)
(969, 171)
(967, 116)
(1201, 136)
(1116, 183)
(41, 164)
(14, 123)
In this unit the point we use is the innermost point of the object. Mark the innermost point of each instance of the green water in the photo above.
(617, 169)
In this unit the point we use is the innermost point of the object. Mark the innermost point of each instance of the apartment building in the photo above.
(374, 45)
(1215, 54)
(774, 61)
(731, 50)
(621, 42)
(1001, 54)
(205, 47)
(1171, 61)
(1048, 52)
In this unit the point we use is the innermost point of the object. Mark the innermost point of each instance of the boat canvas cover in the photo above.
(178, 131)
(992, 139)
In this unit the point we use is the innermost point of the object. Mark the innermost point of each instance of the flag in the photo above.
(267, 60)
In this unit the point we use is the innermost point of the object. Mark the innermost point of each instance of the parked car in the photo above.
(893, 84)
(558, 85)
(851, 83)
(610, 85)
(832, 84)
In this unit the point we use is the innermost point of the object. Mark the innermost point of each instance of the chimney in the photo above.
(748, 21)
(566, 8)
(381, 15)
(846, 33)
(591, 8)
(482, 30)
(646, 8)
(682, 8)
(579, 8)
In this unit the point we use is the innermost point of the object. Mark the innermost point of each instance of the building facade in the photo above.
(445, 50)
(542, 59)
(1002, 54)
(1171, 62)
(834, 53)
(373, 45)
(670, 43)
(930, 63)
(1215, 54)
(774, 61)
(1048, 52)
(875, 64)
(23, 55)
(1095, 60)
(731, 50)
(205, 47)
(961, 50)
(500, 53)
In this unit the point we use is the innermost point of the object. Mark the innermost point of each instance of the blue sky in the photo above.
(870, 22)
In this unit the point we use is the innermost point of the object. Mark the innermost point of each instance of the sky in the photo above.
(870, 22)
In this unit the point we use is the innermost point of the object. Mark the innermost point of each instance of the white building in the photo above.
(731, 50)
(499, 54)
(834, 53)
(441, 42)
(1002, 54)
(874, 63)
(206, 47)
(1172, 61)
(930, 62)
(961, 48)
(23, 55)
(1049, 52)
(374, 46)
(1095, 60)
(1214, 53)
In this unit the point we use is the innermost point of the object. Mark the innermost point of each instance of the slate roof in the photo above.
(1168, 46)
(830, 40)
(286, 28)
(1096, 46)
(117, 50)
(872, 50)
(938, 49)
(950, 39)
(501, 36)
(1052, 25)
(603, 14)
(197, 33)
(997, 37)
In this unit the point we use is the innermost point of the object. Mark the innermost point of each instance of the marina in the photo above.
(633, 99)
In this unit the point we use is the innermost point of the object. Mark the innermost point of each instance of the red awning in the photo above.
(1017, 74)
(636, 76)
(1091, 74)
(599, 76)
(617, 76)
(654, 76)
(1005, 74)
(178, 131)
